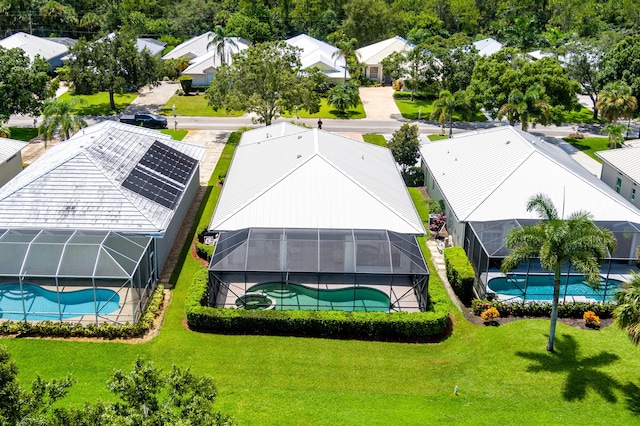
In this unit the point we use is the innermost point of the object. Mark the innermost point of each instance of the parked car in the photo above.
(145, 119)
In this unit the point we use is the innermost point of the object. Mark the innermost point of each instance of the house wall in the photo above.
(10, 168)
(198, 79)
(369, 72)
(610, 176)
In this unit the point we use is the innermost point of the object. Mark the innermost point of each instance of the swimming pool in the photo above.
(291, 296)
(41, 304)
(540, 287)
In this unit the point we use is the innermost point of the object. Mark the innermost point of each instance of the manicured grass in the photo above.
(423, 109)
(98, 103)
(194, 106)
(584, 115)
(375, 139)
(436, 137)
(590, 145)
(23, 133)
(504, 374)
(328, 111)
(175, 134)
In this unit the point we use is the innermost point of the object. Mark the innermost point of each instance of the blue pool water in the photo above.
(41, 304)
(290, 296)
(540, 287)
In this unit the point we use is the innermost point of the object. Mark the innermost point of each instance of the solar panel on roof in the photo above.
(169, 162)
(144, 183)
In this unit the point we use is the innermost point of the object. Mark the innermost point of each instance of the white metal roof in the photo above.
(155, 47)
(373, 54)
(33, 45)
(290, 177)
(77, 184)
(191, 48)
(319, 54)
(212, 59)
(625, 160)
(9, 148)
(487, 46)
(491, 174)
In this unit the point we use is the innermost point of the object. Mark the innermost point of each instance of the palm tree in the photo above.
(58, 115)
(525, 107)
(5, 131)
(615, 132)
(220, 40)
(575, 241)
(346, 49)
(627, 313)
(448, 104)
(616, 102)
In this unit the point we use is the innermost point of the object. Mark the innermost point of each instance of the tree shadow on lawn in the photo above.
(582, 373)
(99, 109)
(347, 114)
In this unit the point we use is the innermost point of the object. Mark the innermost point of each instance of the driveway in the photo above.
(378, 103)
(152, 99)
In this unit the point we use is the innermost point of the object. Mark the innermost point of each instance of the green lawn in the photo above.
(504, 374)
(175, 134)
(23, 133)
(422, 109)
(590, 145)
(375, 139)
(436, 137)
(194, 106)
(328, 111)
(584, 115)
(98, 103)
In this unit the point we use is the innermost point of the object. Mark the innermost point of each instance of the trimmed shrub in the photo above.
(460, 273)
(543, 309)
(435, 207)
(397, 326)
(204, 251)
(413, 177)
(186, 82)
(202, 229)
(423, 96)
(104, 330)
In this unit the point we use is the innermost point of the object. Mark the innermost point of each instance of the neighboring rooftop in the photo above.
(285, 176)
(213, 59)
(109, 176)
(316, 53)
(33, 45)
(491, 174)
(375, 53)
(9, 148)
(626, 160)
(487, 46)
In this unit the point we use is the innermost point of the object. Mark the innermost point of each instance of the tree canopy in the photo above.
(266, 79)
(405, 145)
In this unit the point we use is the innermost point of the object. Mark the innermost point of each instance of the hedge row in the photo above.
(460, 273)
(543, 309)
(204, 251)
(424, 96)
(104, 330)
(397, 326)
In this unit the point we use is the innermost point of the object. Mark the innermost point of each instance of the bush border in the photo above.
(543, 308)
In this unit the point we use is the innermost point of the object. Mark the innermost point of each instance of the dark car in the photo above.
(145, 119)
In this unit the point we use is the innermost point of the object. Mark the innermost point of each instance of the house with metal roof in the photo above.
(322, 55)
(621, 171)
(51, 51)
(10, 159)
(124, 190)
(372, 55)
(191, 48)
(486, 178)
(487, 46)
(311, 211)
(202, 69)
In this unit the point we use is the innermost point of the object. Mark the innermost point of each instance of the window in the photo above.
(633, 194)
(373, 73)
(618, 185)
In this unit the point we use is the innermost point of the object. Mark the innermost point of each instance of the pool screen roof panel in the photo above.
(318, 251)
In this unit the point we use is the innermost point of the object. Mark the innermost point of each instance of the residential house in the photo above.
(621, 171)
(371, 56)
(316, 53)
(50, 51)
(487, 46)
(10, 159)
(203, 68)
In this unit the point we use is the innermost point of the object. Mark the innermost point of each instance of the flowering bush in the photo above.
(543, 309)
(576, 135)
(437, 222)
(490, 314)
(591, 319)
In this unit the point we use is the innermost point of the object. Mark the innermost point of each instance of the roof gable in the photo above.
(625, 160)
(373, 54)
(9, 148)
(318, 53)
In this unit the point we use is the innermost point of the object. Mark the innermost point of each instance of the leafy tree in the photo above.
(112, 64)
(346, 49)
(421, 69)
(627, 313)
(27, 406)
(368, 21)
(456, 59)
(393, 65)
(250, 28)
(616, 102)
(448, 104)
(405, 146)
(220, 40)
(344, 96)
(585, 63)
(615, 132)
(557, 242)
(58, 116)
(5, 131)
(25, 85)
(265, 79)
(58, 16)
(622, 64)
(526, 108)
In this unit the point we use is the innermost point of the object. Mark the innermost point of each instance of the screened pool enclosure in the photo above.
(318, 269)
(485, 247)
(74, 276)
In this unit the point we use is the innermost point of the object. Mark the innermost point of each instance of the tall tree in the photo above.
(368, 21)
(58, 116)
(25, 85)
(220, 40)
(575, 242)
(265, 79)
(526, 108)
(616, 102)
(585, 63)
(346, 49)
(621, 63)
(449, 104)
(405, 146)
